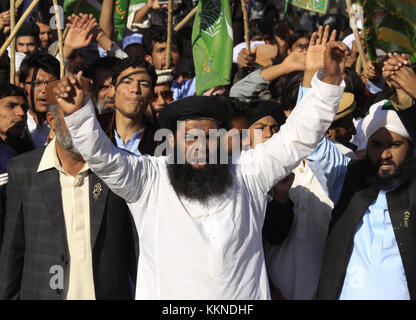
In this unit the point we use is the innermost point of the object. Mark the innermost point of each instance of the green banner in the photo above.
(121, 8)
(390, 26)
(212, 44)
(319, 6)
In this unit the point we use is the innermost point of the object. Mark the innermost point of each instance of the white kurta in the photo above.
(188, 251)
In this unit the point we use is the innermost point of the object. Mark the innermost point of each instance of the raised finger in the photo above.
(326, 34)
(333, 35)
(314, 37)
(320, 33)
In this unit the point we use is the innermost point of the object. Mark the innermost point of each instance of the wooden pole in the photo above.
(17, 6)
(60, 39)
(169, 36)
(66, 28)
(246, 31)
(13, 45)
(186, 19)
(358, 65)
(357, 38)
(18, 26)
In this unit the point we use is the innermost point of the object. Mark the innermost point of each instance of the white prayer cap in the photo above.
(380, 118)
(132, 39)
(164, 76)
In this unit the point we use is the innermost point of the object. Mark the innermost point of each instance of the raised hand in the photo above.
(317, 46)
(335, 56)
(315, 53)
(70, 93)
(80, 31)
(398, 74)
(296, 60)
(245, 59)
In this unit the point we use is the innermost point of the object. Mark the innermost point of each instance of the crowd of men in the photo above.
(117, 181)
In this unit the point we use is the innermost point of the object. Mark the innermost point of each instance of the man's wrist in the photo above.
(334, 79)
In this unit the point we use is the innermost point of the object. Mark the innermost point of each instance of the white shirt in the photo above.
(76, 207)
(294, 266)
(189, 251)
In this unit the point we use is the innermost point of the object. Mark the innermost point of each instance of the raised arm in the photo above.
(276, 158)
(125, 174)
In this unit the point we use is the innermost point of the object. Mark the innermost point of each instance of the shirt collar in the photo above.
(50, 159)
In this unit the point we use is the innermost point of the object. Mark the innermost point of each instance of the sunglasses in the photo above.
(167, 95)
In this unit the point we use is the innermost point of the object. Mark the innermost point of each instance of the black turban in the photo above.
(195, 107)
(263, 108)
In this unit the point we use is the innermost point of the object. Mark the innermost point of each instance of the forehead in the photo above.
(25, 39)
(41, 75)
(43, 27)
(202, 124)
(161, 87)
(12, 99)
(303, 40)
(385, 135)
(267, 120)
(134, 73)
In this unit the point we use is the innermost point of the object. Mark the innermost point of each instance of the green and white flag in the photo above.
(319, 6)
(93, 7)
(212, 44)
(390, 25)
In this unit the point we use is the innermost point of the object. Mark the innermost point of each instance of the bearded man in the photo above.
(196, 244)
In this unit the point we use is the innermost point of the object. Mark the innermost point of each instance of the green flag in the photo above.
(94, 7)
(212, 44)
(319, 6)
(390, 26)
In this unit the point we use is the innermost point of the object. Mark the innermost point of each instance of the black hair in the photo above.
(238, 108)
(298, 34)
(286, 88)
(41, 16)
(10, 90)
(335, 21)
(106, 63)
(29, 29)
(258, 28)
(160, 35)
(40, 60)
(133, 62)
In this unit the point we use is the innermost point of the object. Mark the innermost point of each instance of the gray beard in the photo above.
(64, 138)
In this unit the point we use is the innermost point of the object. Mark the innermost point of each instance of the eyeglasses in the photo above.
(167, 95)
(39, 85)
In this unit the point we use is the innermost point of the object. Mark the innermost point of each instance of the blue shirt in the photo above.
(183, 89)
(132, 144)
(375, 270)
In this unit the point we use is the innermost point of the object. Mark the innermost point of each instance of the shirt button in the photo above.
(302, 209)
(301, 170)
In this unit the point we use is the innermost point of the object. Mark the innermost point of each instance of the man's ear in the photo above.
(149, 59)
(51, 120)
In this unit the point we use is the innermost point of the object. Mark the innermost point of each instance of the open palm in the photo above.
(316, 49)
(79, 34)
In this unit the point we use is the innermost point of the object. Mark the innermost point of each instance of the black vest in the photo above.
(356, 197)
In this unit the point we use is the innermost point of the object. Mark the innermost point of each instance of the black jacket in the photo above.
(35, 236)
(356, 197)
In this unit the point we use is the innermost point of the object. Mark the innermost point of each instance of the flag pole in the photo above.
(17, 6)
(186, 19)
(285, 10)
(357, 38)
(18, 25)
(246, 32)
(60, 39)
(13, 45)
(169, 36)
